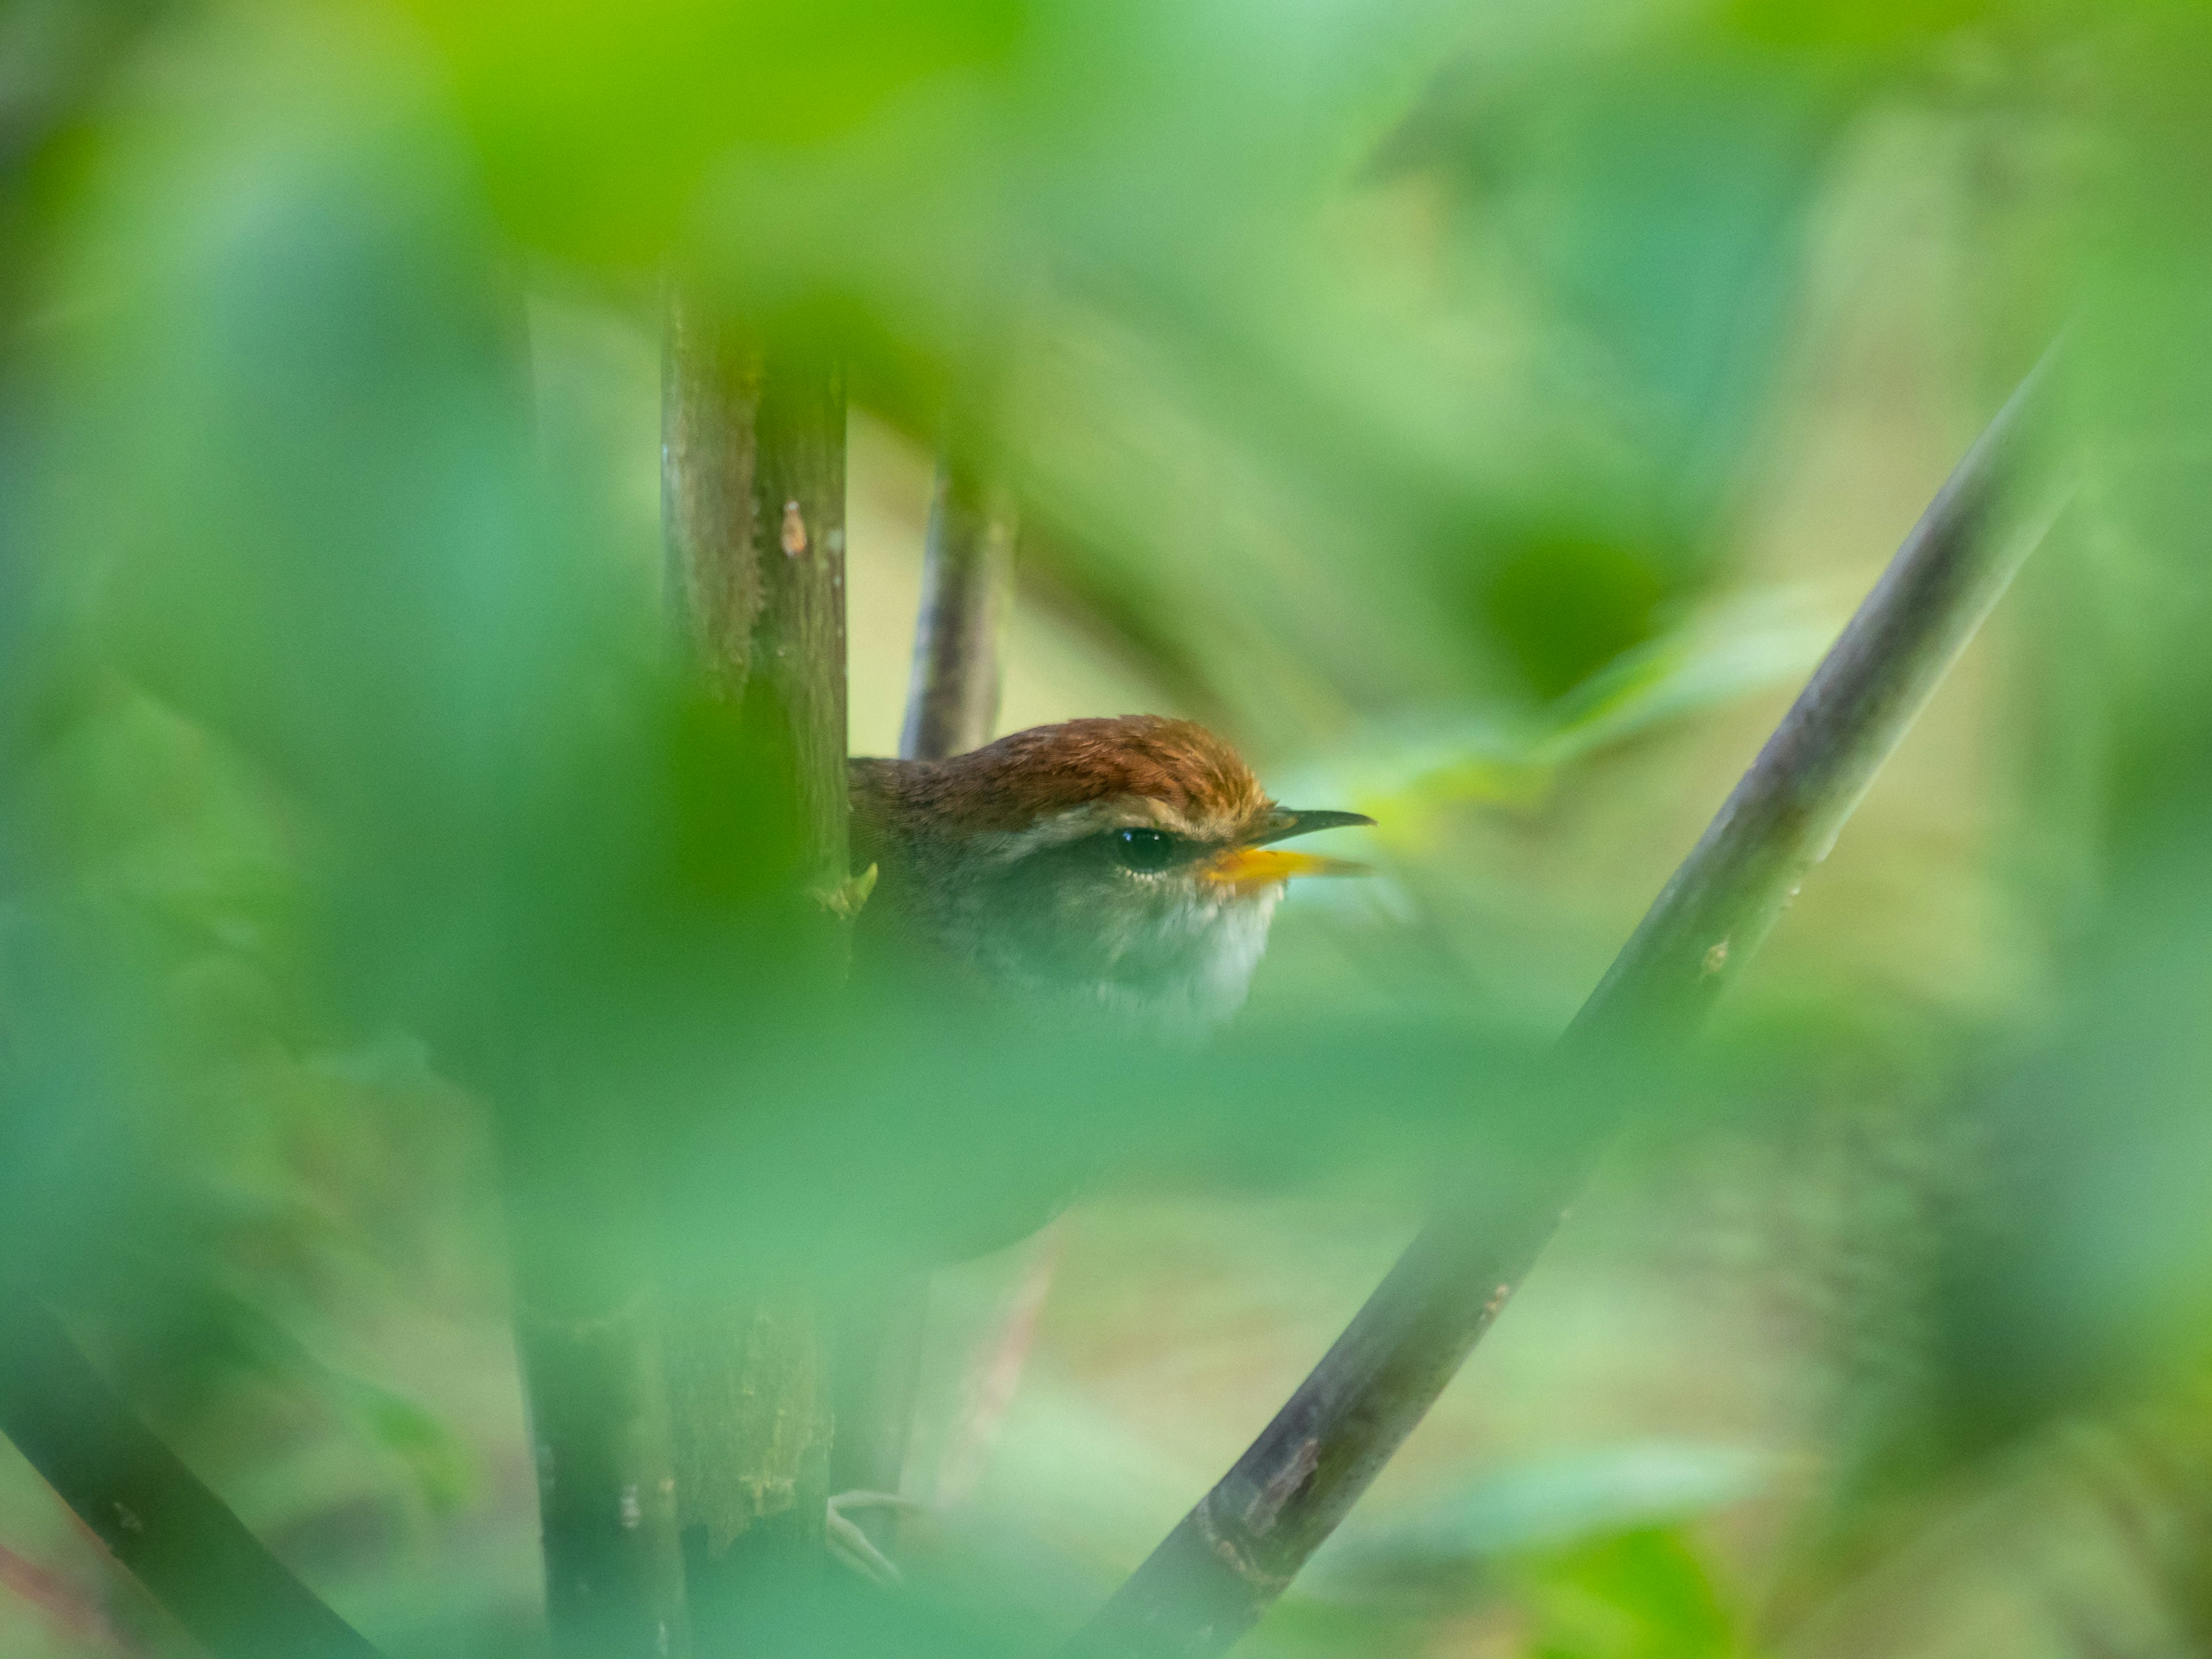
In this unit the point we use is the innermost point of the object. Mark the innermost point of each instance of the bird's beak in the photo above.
(1259, 863)
(1283, 823)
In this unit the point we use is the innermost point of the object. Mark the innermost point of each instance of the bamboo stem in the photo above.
(753, 481)
(1239, 1547)
(158, 1519)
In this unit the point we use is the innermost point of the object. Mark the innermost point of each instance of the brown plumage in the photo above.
(1110, 864)
(1027, 775)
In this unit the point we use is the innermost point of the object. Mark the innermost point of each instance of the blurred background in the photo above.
(1484, 415)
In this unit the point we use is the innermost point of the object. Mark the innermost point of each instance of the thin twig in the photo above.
(1229, 1560)
(157, 1518)
(953, 706)
(967, 585)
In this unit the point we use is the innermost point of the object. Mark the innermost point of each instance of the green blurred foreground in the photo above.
(1483, 413)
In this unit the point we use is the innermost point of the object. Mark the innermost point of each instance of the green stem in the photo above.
(1238, 1549)
(159, 1520)
(753, 485)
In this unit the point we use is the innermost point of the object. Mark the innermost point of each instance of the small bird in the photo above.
(1128, 866)
(1123, 871)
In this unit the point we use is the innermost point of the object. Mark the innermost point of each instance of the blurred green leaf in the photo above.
(1450, 402)
(1644, 1594)
(1554, 1509)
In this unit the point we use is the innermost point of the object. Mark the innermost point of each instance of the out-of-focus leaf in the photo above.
(1756, 643)
(600, 127)
(1645, 1594)
(1403, 776)
(1384, 382)
(1461, 1544)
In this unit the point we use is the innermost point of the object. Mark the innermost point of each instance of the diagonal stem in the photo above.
(159, 1519)
(1238, 1549)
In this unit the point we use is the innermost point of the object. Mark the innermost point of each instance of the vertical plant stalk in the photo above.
(1238, 1549)
(753, 495)
(157, 1518)
(967, 594)
(953, 706)
(586, 1334)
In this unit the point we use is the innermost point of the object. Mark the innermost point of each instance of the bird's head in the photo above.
(1132, 864)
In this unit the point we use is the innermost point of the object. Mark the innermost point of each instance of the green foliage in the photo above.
(1641, 1595)
(1483, 414)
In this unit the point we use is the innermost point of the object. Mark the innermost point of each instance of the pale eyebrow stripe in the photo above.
(1075, 823)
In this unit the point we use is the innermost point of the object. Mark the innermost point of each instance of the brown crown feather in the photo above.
(1013, 783)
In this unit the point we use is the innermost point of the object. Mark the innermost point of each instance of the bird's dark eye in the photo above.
(1146, 850)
